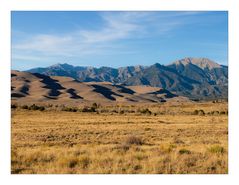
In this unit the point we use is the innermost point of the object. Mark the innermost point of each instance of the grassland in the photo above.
(122, 139)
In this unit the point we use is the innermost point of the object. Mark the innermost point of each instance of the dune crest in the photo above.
(38, 87)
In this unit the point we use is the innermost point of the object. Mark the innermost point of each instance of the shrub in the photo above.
(216, 149)
(222, 112)
(184, 151)
(215, 112)
(88, 109)
(72, 163)
(13, 106)
(195, 112)
(114, 111)
(69, 109)
(134, 140)
(145, 111)
(95, 106)
(199, 112)
(24, 107)
(41, 108)
(35, 107)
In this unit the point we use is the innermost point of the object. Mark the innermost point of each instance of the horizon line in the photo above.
(63, 63)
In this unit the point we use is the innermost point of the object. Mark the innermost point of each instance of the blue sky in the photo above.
(116, 39)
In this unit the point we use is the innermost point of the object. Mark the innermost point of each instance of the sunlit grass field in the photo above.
(170, 140)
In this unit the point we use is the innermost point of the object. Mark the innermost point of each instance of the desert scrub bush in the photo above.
(72, 163)
(104, 111)
(199, 112)
(222, 113)
(214, 113)
(184, 151)
(13, 106)
(216, 149)
(24, 107)
(88, 109)
(134, 140)
(35, 107)
(69, 109)
(95, 106)
(145, 111)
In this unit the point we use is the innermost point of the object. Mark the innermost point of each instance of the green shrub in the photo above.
(216, 149)
(184, 151)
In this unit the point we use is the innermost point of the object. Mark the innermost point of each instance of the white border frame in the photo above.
(232, 6)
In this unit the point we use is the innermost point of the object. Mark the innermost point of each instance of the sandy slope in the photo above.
(37, 87)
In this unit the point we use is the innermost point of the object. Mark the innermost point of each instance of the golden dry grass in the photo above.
(74, 142)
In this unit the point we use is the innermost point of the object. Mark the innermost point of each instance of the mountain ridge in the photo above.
(196, 78)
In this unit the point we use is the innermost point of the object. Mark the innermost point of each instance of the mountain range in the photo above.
(195, 78)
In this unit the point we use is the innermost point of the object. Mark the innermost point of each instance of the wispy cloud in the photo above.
(116, 26)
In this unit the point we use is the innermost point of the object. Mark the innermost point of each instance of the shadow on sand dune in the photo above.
(105, 92)
(73, 94)
(50, 84)
(124, 89)
(167, 93)
(24, 89)
(17, 95)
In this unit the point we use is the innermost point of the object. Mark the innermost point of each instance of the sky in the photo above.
(117, 38)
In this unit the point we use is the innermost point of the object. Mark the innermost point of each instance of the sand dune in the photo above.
(28, 87)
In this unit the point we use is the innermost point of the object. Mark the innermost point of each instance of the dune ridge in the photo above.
(38, 87)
